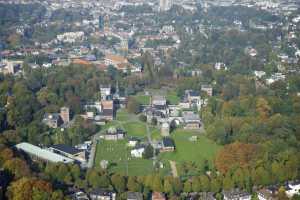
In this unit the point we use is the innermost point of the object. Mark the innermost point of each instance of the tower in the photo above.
(106, 23)
(101, 23)
(65, 114)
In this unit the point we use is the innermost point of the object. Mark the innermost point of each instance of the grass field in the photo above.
(137, 129)
(118, 155)
(187, 151)
(142, 99)
(172, 97)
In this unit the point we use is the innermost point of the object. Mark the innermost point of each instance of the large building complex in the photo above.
(165, 5)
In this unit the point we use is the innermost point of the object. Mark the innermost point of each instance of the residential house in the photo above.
(159, 102)
(200, 195)
(158, 196)
(80, 196)
(134, 196)
(115, 60)
(132, 142)
(208, 89)
(12, 66)
(266, 194)
(165, 129)
(275, 77)
(191, 120)
(70, 152)
(54, 120)
(137, 152)
(158, 109)
(236, 194)
(108, 111)
(65, 114)
(193, 98)
(293, 188)
(154, 113)
(167, 145)
(105, 91)
(220, 66)
(102, 194)
(259, 74)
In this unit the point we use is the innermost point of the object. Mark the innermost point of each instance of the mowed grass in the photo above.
(118, 155)
(136, 129)
(124, 115)
(186, 150)
(142, 99)
(172, 98)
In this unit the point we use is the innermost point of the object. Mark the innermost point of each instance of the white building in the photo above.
(137, 153)
(259, 74)
(293, 188)
(165, 5)
(70, 37)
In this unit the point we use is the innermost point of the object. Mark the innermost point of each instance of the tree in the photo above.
(157, 184)
(29, 189)
(281, 194)
(216, 185)
(228, 182)
(133, 185)
(75, 171)
(154, 121)
(205, 183)
(168, 186)
(118, 182)
(263, 108)
(187, 187)
(143, 118)
(177, 185)
(148, 153)
(133, 105)
(236, 155)
(17, 167)
(196, 186)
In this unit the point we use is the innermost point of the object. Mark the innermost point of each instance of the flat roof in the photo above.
(42, 153)
(66, 149)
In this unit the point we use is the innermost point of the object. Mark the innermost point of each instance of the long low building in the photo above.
(37, 153)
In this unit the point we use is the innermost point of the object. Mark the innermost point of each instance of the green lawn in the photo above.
(142, 99)
(172, 97)
(118, 155)
(137, 129)
(187, 151)
(124, 115)
(189, 156)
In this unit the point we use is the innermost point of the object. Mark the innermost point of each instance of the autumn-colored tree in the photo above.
(263, 108)
(26, 188)
(118, 182)
(6, 154)
(236, 155)
(17, 167)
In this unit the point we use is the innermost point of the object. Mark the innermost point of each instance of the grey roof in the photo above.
(190, 116)
(134, 196)
(66, 149)
(42, 153)
(235, 194)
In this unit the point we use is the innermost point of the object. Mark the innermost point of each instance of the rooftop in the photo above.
(65, 148)
(42, 153)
